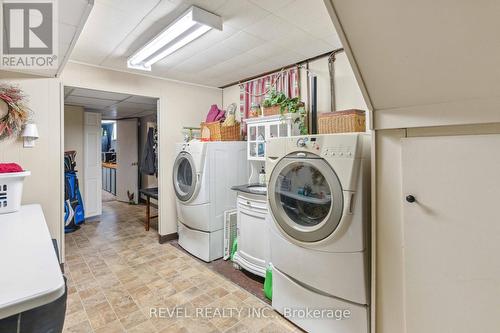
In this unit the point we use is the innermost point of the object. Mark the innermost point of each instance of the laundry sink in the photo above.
(260, 189)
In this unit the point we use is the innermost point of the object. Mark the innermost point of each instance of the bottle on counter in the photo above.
(262, 176)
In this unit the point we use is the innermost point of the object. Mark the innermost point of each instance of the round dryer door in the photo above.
(184, 177)
(305, 197)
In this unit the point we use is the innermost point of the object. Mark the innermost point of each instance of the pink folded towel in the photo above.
(215, 114)
(10, 167)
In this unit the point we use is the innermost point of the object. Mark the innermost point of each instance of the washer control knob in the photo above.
(301, 143)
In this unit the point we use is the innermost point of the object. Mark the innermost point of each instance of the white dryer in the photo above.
(318, 194)
(203, 174)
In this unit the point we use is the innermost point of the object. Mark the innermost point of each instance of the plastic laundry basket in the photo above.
(11, 191)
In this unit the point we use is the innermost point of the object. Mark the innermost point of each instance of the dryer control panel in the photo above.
(338, 151)
(326, 146)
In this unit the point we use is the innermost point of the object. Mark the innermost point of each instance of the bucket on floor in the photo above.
(11, 191)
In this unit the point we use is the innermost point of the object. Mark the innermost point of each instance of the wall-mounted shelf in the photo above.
(260, 129)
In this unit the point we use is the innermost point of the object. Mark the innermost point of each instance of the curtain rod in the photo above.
(327, 54)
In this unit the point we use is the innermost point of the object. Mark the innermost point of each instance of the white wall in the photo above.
(73, 138)
(44, 186)
(347, 92)
(181, 105)
(231, 95)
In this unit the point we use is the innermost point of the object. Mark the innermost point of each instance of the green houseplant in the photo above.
(286, 105)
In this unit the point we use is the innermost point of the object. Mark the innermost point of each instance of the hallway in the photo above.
(117, 272)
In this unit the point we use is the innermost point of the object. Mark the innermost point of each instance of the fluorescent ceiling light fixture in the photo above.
(189, 26)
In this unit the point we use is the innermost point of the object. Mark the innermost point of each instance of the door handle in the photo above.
(410, 198)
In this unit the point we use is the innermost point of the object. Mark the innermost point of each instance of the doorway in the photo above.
(112, 138)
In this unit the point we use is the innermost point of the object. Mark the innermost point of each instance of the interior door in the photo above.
(92, 161)
(451, 233)
(127, 155)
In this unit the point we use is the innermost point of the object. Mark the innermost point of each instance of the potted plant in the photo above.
(272, 104)
(294, 105)
(277, 103)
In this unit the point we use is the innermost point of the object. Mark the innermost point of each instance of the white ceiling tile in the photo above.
(98, 94)
(271, 5)
(132, 6)
(257, 36)
(70, 11)
(218, 53)
(287, 58)
(312, 46)
(290, 41)
(209, 5)
(271, 28)
(310, 16)
(333, 40)
(242, 41)
(241, 13)
(90, 102)
(66, 34)
(142, 100)
(266, 50)
(106, 28)
(133, 106)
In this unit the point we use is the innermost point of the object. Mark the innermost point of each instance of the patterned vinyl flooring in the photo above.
(120, 279)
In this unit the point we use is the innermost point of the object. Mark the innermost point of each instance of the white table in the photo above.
(30, 275)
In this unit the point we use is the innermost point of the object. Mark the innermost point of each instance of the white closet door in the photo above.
(127, 155)
(93, 167)
(452, 234)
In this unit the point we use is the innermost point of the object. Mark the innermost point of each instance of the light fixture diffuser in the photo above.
(192, 24)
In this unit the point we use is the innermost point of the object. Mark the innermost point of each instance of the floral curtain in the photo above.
(254, 92)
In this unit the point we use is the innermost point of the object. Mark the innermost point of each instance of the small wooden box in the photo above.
(342, 121)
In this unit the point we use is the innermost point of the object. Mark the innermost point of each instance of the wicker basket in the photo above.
(222, 133)
(342, 121)
(272, 110)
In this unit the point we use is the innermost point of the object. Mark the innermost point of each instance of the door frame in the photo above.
(160, 105)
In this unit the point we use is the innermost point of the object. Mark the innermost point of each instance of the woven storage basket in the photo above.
(222, 133)
(342, 121)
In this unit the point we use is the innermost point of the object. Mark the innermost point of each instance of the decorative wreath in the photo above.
(14, 113)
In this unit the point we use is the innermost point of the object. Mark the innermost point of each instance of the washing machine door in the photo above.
(305, 197)
(184, 177)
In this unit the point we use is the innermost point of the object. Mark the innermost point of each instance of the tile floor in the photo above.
(117, 273)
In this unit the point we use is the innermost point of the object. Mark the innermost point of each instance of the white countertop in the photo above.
(30, 275)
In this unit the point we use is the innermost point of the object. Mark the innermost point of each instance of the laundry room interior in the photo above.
(249, 166)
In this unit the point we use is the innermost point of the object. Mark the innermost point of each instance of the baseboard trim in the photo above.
(168, 237)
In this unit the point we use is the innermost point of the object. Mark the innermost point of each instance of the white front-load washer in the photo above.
(318, 194)
(203, 175)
